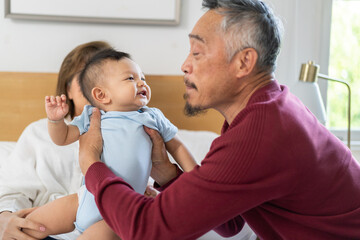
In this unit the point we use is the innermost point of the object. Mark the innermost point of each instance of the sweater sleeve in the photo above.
(186, 210)
(212, 194)
(162, 188)
(230, 228)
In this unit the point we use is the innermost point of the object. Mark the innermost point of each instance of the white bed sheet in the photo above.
(198, 142)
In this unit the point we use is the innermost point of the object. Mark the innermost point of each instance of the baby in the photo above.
(115, 84)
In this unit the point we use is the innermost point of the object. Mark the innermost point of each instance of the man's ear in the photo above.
(245, 61)
(100, 95)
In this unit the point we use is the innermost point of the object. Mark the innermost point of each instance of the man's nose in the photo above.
(186, 66)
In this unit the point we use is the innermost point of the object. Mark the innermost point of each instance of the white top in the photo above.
(38, 171)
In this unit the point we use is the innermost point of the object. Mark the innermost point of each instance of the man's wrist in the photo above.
(163, 186)
(86, 160)
(164, 173)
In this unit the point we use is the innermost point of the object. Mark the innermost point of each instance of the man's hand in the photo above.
(162, 169)
(11, 225)
(91, 143)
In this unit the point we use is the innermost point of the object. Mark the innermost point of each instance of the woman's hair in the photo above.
(72, 65)
(249, 24)
(93, 73)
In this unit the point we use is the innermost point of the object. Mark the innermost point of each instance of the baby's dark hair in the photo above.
(93, 71)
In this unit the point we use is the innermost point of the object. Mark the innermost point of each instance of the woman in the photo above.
(38, 171)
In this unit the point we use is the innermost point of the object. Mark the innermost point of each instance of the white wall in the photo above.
(39, 46)
(306, 36)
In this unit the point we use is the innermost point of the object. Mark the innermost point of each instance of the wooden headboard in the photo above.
(22, 102)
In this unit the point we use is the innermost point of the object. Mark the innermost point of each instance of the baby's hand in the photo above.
(150, 192)
(56, 107)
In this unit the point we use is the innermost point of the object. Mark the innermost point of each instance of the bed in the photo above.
(22, 102)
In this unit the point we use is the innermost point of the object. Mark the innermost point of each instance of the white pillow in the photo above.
(198, 142)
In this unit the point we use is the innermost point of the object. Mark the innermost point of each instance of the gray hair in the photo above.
(250, 24)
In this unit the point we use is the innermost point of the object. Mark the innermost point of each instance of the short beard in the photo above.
(191, 111)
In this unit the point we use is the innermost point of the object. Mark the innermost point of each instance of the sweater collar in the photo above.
(258, 95)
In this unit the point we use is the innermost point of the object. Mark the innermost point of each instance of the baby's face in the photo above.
(125, 83)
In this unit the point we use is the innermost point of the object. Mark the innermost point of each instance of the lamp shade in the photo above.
(309, 72)
(309, 94)
(308, 91)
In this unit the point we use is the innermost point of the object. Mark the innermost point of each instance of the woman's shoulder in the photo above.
(38, 124)
(36, 129)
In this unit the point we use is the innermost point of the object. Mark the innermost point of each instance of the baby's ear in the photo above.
(100, 95)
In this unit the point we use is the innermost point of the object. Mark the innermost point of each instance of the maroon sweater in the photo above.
(275, 167)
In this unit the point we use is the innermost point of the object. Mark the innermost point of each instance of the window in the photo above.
(344, 63)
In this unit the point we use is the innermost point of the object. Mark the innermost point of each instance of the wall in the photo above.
(40, 46)
(356, 153)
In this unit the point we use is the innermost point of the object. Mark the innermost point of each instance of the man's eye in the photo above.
(195, 53)
(130, 78)
(143, 79)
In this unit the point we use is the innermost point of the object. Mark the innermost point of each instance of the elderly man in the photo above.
(274, 165)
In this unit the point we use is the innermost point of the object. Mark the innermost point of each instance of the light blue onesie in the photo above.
(126, 151)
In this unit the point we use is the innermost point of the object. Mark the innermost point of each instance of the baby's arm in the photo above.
(181, 154)
(59, 131)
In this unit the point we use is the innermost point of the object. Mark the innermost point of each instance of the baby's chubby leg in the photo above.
(57, 216)
(99, 230)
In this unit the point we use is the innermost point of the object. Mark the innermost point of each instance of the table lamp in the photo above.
(308, 81)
